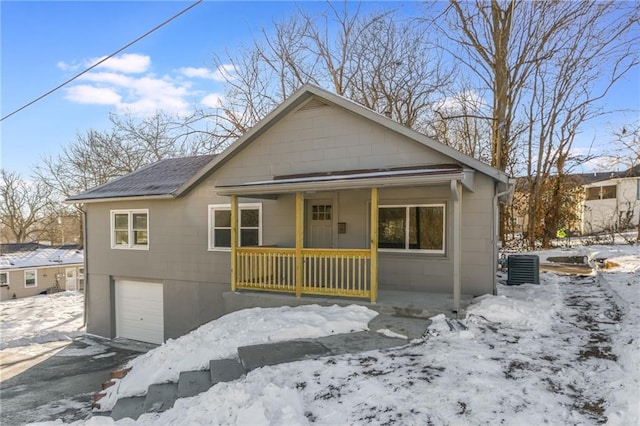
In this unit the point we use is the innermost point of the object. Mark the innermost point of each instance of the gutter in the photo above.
(496, 226)
(126, 198)
(328, 185)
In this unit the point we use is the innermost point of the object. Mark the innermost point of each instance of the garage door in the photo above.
(139, 311)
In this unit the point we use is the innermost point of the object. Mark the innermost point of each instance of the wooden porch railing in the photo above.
(329, 272)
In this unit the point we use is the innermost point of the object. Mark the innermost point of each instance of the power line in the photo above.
(102, 60)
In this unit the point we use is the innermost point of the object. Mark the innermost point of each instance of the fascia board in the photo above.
(331, 185)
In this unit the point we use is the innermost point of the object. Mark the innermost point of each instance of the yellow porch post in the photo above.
(374, 245)
(234, 240)
(299, 240)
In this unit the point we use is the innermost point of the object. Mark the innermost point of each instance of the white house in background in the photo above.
(612, 204)
(30, 269)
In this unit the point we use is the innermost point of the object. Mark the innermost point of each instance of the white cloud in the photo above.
(109, 78)
(130, 63)
(222, 73)
(67, 67)
(85, 94)
(212, 100)
(456, 102)
(126, 83)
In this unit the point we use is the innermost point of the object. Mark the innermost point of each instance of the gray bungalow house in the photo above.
(322, 198)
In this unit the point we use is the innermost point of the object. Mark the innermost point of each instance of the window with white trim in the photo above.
(249, 226)
(4, 278)
(412, 227)
(30, 278)
(130, 229)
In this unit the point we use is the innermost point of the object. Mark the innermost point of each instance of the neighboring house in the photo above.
(30, 269)
(322, 197)
(573, 184)
(613, 203)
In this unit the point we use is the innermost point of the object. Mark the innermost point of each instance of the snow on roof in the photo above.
(41, 257)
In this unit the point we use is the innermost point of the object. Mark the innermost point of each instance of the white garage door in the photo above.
(139, 311)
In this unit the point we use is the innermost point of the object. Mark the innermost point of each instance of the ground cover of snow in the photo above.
(566, 351)
(41, 319)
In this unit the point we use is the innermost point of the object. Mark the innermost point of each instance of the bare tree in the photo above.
(627, 141)
(24, 206)
(96, 157)
(546, 65)
(378, 60)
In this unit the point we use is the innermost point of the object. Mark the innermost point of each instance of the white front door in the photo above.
(140, 311)
(71, 279)
(320, 224)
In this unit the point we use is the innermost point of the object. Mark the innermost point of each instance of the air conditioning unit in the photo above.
(523, 268)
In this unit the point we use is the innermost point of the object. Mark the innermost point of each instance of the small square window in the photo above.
(130, 229)
(249, 225)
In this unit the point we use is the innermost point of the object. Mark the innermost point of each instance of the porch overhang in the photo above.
(359, 180)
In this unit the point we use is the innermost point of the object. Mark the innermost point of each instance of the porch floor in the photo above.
(401, 303)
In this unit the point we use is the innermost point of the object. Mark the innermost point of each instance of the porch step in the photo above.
(256, 356)
(160, 397)
(192, 383)
(128, 407)
(225, 370)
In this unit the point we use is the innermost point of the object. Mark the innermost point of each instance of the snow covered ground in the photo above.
(566, 351)
(41, 319)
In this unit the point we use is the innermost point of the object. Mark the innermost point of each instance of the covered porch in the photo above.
(327, 273)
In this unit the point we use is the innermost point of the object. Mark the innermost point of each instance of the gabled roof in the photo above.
(309, 92)
(40, 256)
(152, 180)
(158, 179)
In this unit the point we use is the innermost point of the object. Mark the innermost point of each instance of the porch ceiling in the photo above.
(331, 181)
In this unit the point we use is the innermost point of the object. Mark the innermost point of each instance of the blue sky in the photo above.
(44, 43)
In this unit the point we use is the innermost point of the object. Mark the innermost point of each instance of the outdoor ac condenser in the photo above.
(523, 268)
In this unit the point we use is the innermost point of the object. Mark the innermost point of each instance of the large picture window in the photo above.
(249, 226)
(130, 229)
(412, 227)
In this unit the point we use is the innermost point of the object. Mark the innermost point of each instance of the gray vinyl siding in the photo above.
(314, 140)
(323, 139)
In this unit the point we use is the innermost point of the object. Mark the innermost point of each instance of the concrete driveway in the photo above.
(57, 380)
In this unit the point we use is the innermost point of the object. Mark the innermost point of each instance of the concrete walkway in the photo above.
(161, 397)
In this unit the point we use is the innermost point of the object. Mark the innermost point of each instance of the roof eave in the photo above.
(128, 198)
(344, 184)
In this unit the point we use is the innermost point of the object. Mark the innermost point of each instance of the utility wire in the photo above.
(104, 59)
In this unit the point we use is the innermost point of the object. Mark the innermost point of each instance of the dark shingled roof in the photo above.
(161, 178)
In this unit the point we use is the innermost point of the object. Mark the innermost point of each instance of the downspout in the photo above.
(86, 263)
(496, 227)
(456, 196)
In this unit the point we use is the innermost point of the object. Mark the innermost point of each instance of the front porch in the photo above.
(398, 303)
(423, 229)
